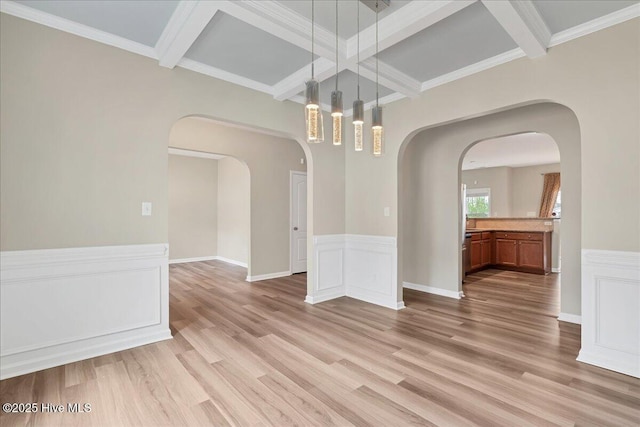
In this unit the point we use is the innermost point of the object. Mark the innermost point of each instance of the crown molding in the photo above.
(21, 11)
(208, 70)
(597, 24)
(474, 68)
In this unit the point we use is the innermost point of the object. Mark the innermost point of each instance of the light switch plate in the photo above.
(146, 208)
(387, 212)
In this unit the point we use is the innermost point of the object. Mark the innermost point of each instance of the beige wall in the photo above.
(233, 210)
(499, 181)
(596, 76)
(526, 190)
(269, 159)
(84, 134)
(193, 207)
(429, 244)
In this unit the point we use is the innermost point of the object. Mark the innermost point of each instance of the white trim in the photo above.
(268, 276)
(52, 21)
(358, 266)
(185, 25)
(291, 225)
(90, 285)
(469, 70)
(194, 259)
(193, 153)
(523, 23)
(555, 270)
(433, 290)
(597, 24)
(232, 261)
(611, 310)
(570, 318)
(220, 74)
(208, 258)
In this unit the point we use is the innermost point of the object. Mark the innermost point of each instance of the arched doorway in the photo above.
(270, 158)
(429, 231)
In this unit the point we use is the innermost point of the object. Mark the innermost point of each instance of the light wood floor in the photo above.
(256, 354)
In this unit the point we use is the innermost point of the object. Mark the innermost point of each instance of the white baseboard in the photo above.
(59, 306)
(195, 259)
(324, 297)
(433, 290)
(611, 310)
(570, 318)
(268, 276)
(232, 261)
(208, 258)
(555, 270)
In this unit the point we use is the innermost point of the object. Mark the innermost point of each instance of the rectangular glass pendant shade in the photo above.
(377, 132)
(336, 115)
(313, 113)
(358, 123)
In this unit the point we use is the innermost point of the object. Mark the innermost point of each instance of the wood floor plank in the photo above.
(254, 354)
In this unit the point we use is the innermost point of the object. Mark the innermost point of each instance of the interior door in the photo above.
(298, 222)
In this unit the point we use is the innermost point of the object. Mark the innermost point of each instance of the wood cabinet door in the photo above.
(530, 254)
(485, 248)
(476, 254)
(506, 252)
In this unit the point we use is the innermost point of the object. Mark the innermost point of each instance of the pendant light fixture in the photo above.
(312, 111)
(358, 105)
(336, 98)
(377, 131)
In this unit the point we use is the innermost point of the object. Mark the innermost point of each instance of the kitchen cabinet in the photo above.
(513, 250)
(481, 254)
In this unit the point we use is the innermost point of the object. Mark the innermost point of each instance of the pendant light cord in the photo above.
(312, 36)
(358, 20)
(337, 46)
(376, 53)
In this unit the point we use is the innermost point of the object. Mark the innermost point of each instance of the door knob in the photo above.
(295, 228)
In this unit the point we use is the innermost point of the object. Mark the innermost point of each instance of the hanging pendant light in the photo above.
(313, 113)
(358, 105)
(377, 131)
(336, 98)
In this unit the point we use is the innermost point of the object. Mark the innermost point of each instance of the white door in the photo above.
(298, 222)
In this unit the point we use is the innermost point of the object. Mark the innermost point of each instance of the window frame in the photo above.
(478, 192)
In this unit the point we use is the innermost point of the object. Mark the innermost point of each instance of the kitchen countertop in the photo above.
(479, 230)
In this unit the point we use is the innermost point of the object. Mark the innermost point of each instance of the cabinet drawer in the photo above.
(476, 236)
(487, 234)
(515, 235)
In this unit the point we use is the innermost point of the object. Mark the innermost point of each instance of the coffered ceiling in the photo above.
(265, 45)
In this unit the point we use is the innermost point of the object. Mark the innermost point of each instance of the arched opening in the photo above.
(429, 229)
(270, 158)
(511, 227)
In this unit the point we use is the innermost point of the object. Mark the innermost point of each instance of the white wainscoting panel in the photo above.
(328, 261)
(611, 310)
(62, 305)
(358, 266)
(372, 269)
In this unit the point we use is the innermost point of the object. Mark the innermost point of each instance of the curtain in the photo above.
(549, 194)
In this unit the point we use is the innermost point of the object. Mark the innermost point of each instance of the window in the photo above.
(478, 202)
(557, 208)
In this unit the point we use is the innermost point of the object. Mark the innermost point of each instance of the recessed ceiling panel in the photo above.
(466, 37)
(560, 15)
(525, 149)
(232, 45)
(140, 21)
(325, 13)
(348, 84)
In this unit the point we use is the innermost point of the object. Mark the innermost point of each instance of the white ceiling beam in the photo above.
(405, 22)
(282, 22)
(389, 77)
(182, 30)
(523, 23)
(294, 83)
